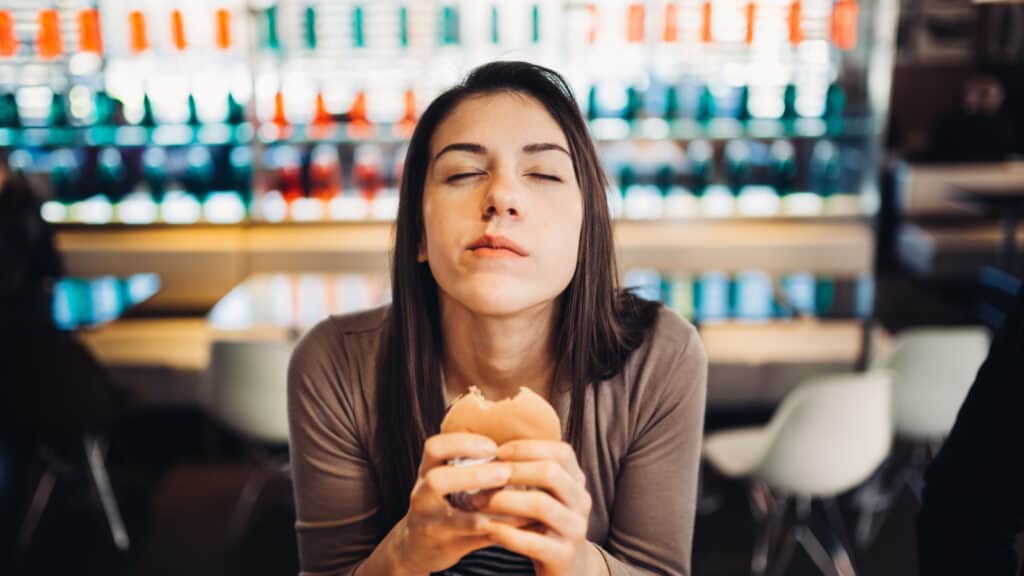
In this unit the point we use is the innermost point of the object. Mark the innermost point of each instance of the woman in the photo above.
(503, 276)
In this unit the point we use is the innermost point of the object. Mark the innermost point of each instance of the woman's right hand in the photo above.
(433, 535)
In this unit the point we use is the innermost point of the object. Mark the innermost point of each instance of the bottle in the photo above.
(64, 182)
(645, 282)
(227, 205)
(799, 290)
(681, 295)
(141, 205)
(640, 201)
(679, 201)
(754, 301)
(368, 177)
(711, 297)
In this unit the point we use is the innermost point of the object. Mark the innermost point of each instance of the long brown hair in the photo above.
(597, 326)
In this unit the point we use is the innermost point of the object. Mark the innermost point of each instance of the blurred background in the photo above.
(822, 186)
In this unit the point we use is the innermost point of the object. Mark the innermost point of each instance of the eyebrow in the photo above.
(478, 149)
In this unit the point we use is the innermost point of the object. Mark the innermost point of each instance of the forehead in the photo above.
(496, 120)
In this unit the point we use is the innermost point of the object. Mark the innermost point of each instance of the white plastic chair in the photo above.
(828, 436)
(248, 395)
(933, 370)
(248, 390)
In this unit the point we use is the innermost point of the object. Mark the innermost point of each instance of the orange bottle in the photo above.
(8, 39)
(49, 42)
(844, 24)
(137, 37)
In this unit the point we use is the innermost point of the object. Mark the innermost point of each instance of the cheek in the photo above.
(562, 246)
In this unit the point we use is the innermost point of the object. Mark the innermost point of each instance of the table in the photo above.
(283, 306)
(1007, 201)
(92, 302)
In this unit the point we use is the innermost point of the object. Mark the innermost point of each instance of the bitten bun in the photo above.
(525, 416)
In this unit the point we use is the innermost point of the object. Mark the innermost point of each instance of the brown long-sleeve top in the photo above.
(641, 447)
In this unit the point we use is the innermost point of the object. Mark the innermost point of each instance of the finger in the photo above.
(441, 448)
(539, 506)
(551, 476)
(561, 452)
(464, 524)
(544, 548)
(444, 480)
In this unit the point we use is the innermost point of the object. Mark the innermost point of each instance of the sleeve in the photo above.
(973, 504)
(333, 482)
(656, 495)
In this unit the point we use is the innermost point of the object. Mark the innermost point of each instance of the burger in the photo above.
(525, 416)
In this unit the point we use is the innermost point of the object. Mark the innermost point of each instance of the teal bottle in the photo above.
(699, 153)
(627, 178)
(58, 116)
(826, 170)
(835, 107)
(193, 111)
(664, 179)
(240, 161)
(634, 104)
(271, 41)
(535, 24)
(743, 103)
(154, 172)
(148, 117)
(783, 167)
(309, 27)
(236, 112)
(64, 176)
(671, 111)
(198, 172)
(824, 296)
(110, 172)
(9, 115)
(403, 26)
(705, 105)
(358, 34)
(789, 103)
(495, 26)
(737, 165)
(105, 109)
(593, 112)
(449, 32)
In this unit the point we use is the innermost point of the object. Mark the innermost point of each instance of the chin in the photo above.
(499, 299)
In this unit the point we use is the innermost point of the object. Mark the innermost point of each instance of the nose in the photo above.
(502, 198)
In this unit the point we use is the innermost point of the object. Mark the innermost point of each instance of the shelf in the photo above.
(198, 264)
(166, 135)
(602, 130)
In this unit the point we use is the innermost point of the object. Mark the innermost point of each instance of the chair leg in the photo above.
(872, 501)
(40, 499)
(821, 558)
(244, 507)
(98, 471)
(841, 555)
(770, 514)
(785, 552)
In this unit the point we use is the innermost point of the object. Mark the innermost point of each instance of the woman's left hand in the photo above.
(556, 540)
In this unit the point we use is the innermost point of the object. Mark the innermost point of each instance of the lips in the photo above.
(496, 242)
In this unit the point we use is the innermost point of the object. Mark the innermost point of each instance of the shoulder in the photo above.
(673, 344)
(336, 359)
(336, 335)
(669, 368)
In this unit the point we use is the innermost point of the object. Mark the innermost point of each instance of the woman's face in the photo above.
(500, 171)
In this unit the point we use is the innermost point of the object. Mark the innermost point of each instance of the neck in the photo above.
(497, 354)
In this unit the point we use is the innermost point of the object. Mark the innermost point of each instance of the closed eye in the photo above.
(545, 176)
(462, 176)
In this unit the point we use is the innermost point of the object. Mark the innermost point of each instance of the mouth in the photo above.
(496, 246)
